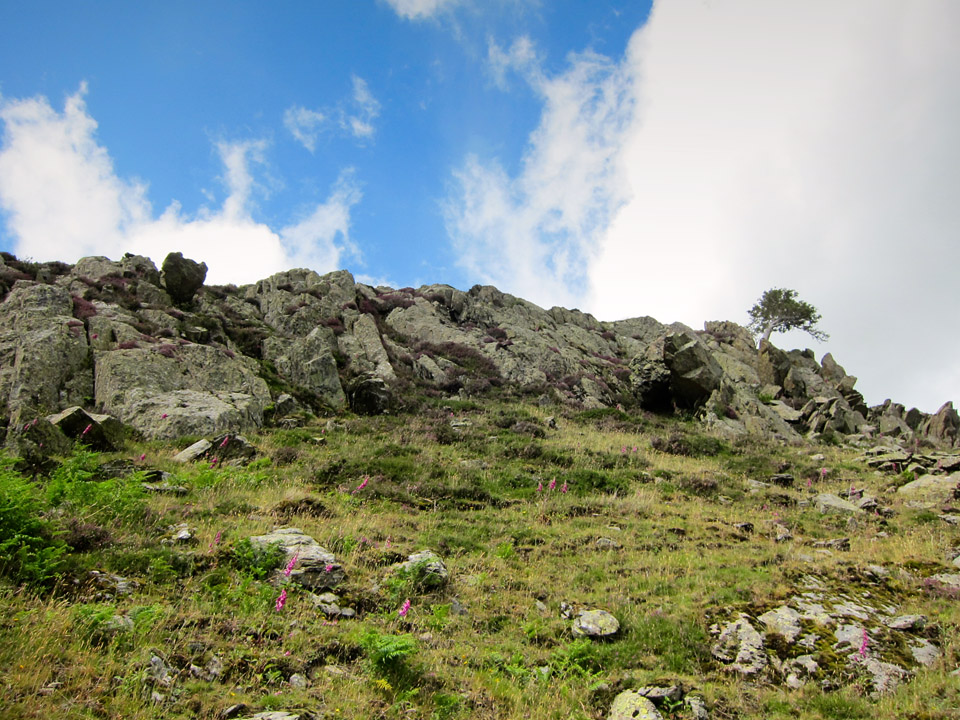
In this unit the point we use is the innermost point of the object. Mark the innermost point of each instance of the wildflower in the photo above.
(94, 336)
(164, 416)
(282, 600)
(386, 543)
(361, 486)
(86, 429)
(809, 482)
(636, 449)
(564, 488)
(328, 568)
(553, 484)
(215, 461)
(862, 652)
(216, 539)
(623, 449)
(143, 456)
(293, 561)
(226, 439)
(540, 486)
(405, 608)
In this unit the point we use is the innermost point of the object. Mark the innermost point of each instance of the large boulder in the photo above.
(196, 390)
(182, 277)
(44, 356)
(308, 362)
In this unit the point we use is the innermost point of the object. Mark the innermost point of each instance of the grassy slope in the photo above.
(471, 495)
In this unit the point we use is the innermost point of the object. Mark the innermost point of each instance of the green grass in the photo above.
(489, 644)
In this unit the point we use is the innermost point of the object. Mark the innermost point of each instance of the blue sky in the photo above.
(673, 161)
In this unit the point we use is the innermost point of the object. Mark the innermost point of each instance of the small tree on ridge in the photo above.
(778, 310)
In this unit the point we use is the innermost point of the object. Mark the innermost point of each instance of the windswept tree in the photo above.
(778, 310)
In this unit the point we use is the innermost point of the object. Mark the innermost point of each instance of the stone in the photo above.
(907, 622)
(316, 568)
(308, 362)
(932, 488)
(630, 705)
(369, 395)
(194, 452)
(924, 651)
(595, 624)
(696, 707)
(885, 676)
(782, 479)
(182, 277)
(830, 503)
(741, 647)
(199, 391)
(783, 621)
(425, 568)
(81, 426)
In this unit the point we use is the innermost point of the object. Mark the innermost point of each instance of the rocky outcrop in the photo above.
(195, 390)
(168, 355)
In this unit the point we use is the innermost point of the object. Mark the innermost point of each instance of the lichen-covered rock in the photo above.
(200, 390)
(308, 362)
(425, 569)
(595, 624)
(182, 277)
(102, 433)
(44, 357)
(631, 705)
(316, 568)
(830, 503)
(741, 647)
(783, 621)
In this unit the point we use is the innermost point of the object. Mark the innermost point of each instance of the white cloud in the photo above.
(419, 9)
(779, 145)
(305, 125)
(354, 117)
(736, 147)
(521, 57)
(63, 200)
(535, 234)
(363, 110)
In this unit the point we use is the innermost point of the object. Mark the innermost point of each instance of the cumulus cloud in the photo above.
(419, 9)
(305, 125)
(736, 147)
(777, 145)
(63, 200)
(535, 234)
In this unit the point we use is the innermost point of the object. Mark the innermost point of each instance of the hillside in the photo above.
(485, 509)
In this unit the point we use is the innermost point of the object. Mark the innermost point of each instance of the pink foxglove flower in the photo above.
(361, 486)
(86, 429)
(215, 461)
(540, 486)
(216, 539)
(563, 489)
(823, 473)
(404, 609)
(290, 565)
(282, 600)
(862, 652)
(553, 484)
(226, 439)
(164, 416)
(328, 568)
(143, 456)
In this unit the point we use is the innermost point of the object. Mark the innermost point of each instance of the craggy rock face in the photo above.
(169, 356)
